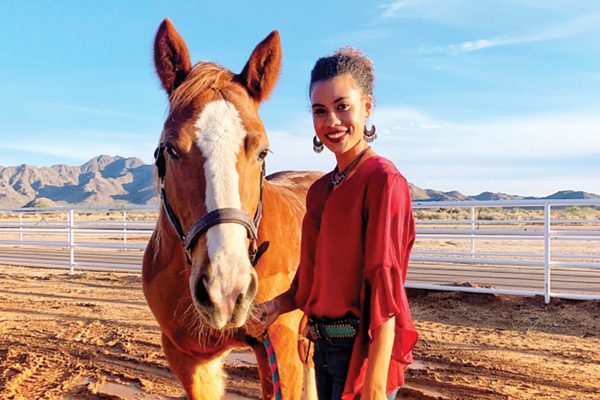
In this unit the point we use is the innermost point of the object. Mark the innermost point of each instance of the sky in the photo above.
(470, 95)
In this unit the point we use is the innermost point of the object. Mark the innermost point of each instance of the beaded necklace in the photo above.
(338, 177)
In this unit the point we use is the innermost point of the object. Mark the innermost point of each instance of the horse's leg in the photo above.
(264, 370)
(284, 337)
(201, 381)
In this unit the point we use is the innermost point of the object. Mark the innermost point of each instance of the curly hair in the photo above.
(345, 60)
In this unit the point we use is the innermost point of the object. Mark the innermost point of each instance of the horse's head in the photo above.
(211, 156)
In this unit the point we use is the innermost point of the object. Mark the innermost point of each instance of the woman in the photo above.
(356, 240)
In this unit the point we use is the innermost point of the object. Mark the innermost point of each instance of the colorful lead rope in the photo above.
(274, 368)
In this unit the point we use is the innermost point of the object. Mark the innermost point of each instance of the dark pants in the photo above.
(331, 368)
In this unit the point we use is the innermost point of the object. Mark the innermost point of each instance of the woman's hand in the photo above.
(380, 351)
(264, 316)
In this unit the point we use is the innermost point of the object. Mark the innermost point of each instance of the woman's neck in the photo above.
(344, 159)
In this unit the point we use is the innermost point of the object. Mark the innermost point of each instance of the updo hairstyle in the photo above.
(345, 60)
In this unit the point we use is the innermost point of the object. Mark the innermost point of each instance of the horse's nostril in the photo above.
(201, 294)
(239, 300)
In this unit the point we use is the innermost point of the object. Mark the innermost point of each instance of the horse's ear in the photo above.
(171, 56)
(262, 69)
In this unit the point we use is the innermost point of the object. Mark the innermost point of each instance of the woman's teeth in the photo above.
(336, 135)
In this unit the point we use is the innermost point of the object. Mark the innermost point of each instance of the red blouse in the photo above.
(356, 241)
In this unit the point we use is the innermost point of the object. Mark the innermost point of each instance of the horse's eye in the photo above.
(263, 154)
(172, 152)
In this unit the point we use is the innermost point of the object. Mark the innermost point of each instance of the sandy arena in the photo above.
(91, 336)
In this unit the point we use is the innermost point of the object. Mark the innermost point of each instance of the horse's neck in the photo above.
(284, 199)
(277, 197)
(288, 189)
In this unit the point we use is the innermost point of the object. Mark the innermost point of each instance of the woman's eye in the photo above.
(318, 111)
(343, 107)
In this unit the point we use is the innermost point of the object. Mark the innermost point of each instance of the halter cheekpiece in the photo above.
(212, 218)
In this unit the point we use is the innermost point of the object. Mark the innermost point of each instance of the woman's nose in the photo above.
(332, 119)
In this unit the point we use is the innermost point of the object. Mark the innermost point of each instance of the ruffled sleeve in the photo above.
(389, 237)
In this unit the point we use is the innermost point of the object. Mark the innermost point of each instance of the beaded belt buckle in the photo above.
(340, 329)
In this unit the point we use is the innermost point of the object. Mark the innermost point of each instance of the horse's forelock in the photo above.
(204, 76)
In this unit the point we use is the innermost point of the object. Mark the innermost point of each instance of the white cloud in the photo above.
(390, 10)
(294, 152)
(81, 145)
(512, 154)
(535, 137)
(574, 27)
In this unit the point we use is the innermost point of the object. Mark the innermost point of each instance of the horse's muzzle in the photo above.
(224, 304)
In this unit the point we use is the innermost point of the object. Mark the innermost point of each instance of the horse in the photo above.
(205, 264)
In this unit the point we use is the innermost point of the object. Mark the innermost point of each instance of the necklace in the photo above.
(338, 176)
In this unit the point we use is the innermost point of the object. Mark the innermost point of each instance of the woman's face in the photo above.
(339, 111)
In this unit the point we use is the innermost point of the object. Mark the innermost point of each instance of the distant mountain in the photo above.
(435, 195)
(107, 180)
(570, 194)
(104, 180)
(496, 196)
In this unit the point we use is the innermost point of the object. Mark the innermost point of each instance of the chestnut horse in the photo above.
(198, 273)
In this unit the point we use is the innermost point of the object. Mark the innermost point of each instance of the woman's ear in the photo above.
(368, 105)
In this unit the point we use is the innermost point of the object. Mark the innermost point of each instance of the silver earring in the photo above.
(317, 145)
(369, 134)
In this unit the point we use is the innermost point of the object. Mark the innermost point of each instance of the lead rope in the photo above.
(274, 367)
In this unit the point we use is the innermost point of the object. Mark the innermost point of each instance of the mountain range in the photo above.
(107, 180)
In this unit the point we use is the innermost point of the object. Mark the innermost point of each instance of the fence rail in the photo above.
(524, 247)
(534, 254)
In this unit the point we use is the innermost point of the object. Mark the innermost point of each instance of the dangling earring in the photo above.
(317, 145)
(369, 134)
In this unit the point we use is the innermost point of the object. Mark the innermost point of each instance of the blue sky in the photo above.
(470, 95)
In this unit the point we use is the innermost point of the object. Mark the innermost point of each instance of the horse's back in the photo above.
(294, 184)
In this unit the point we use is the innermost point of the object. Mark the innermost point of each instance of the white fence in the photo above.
(511, 247)
(532, 247)
(86, 238)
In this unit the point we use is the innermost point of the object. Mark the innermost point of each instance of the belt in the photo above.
(345, 328)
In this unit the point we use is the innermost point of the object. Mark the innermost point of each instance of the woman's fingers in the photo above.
(256, 328)
(266, 314)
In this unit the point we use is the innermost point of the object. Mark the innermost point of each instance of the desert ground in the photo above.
(91, 336)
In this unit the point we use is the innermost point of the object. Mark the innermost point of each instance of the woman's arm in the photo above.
(380, 352)
(269, 311)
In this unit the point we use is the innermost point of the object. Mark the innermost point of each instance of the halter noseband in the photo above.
(212, 218)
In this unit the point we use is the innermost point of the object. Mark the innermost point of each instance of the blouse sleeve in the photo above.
(390, 233)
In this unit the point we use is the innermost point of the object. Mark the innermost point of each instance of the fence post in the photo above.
(20, 229)
(71, 236)
(124, 228)
(547, 250)
(472, 235)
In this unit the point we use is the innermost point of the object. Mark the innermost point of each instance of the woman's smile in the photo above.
(337, 135)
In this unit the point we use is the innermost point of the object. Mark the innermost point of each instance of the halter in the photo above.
(210, 219)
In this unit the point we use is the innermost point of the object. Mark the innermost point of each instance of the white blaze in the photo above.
(220, 136)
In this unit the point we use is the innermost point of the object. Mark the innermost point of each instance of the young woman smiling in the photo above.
(357, 235)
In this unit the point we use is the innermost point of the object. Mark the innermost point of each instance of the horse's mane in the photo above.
(203, 76)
